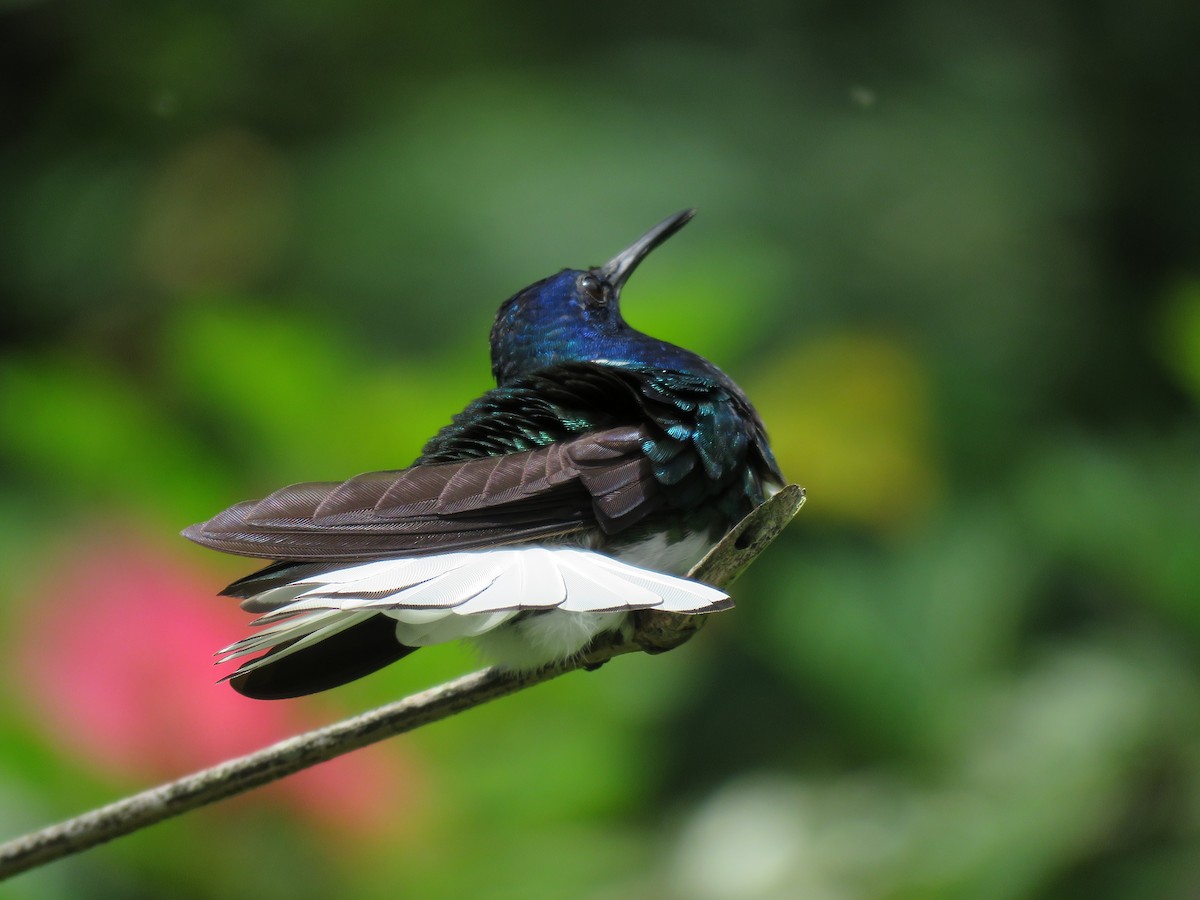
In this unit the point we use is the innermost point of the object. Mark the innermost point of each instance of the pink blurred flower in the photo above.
(115, 653)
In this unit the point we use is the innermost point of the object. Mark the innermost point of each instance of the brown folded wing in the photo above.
(601, 478)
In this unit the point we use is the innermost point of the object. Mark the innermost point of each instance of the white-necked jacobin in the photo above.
(602, 466)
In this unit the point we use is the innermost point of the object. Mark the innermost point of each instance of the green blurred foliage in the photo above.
(949, 250)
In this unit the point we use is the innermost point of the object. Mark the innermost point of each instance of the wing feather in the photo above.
(547, 491)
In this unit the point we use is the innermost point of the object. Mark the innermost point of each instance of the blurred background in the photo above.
(950, 251)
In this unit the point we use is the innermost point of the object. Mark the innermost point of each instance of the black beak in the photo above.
(618, 269)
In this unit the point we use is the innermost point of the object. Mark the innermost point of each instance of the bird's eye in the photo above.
(593, 289)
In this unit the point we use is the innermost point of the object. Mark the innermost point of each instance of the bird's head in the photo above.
(575, 315)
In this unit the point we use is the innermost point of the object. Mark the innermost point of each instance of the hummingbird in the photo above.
(601, 467)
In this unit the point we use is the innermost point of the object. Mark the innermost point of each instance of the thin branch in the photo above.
(654, 632)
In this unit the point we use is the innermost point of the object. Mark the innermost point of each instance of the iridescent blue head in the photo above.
(576, 316)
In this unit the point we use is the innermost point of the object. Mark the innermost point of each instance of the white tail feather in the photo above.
(466, 594)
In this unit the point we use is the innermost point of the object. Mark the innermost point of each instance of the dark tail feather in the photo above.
(273, 576)
(343, 657)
